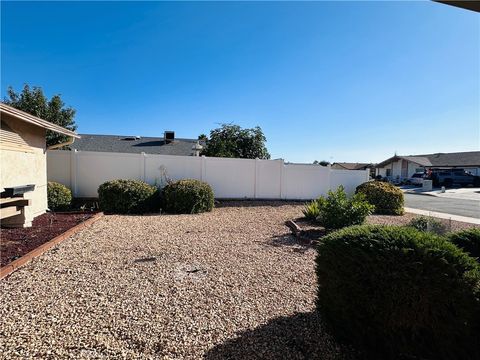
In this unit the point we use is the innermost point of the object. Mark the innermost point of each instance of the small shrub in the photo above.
(59, 197)
(467, 240)
(387, 198)
(428, 223)
(396, 292)
(337, 210)
(187, 196)
(311, 210)
(127, 197)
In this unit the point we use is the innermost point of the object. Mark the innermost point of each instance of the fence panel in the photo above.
(305, 181)
(268, 179)
(59, 167)
(350, 179)
(231, 178)
(94, 168)
(160, 167)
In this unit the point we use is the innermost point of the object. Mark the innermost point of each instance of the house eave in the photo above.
(23, 116)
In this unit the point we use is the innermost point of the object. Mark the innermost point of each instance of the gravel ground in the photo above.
(450, 225)
(231, 284)
(227, 284)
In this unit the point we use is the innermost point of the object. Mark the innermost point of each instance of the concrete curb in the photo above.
(440, 215)
(14, 265)
(420, 193)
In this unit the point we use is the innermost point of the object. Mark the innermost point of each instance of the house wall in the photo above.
(84, 171)
(396, 167)
(23, 168)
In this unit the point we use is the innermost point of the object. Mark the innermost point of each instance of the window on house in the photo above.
(389, 172)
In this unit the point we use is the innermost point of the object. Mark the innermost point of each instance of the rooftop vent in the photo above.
(130, 138)
(169, 136)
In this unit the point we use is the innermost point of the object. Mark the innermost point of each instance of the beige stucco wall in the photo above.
(397, 169)
(22, 168)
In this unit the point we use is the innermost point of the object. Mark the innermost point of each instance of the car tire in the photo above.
(448, 183)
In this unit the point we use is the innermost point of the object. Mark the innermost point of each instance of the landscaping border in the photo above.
(14, 265)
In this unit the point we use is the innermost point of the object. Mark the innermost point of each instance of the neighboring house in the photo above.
(398, 168)
(166, 145)
(354, 166)
(23, 179)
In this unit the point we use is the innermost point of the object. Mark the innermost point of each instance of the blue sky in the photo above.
(344, 81)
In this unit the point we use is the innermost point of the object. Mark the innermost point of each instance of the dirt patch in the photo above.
(16, 242)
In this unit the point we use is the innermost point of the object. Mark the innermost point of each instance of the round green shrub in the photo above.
(396, 292)
(127, 197)
(428, 223)
(467, 240)
(187, 196)
(59, 197)
(387, 198)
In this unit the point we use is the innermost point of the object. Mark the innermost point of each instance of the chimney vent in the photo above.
(169, 136)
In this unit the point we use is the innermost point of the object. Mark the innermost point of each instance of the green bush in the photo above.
(127, 197)
(59, 196)
(337, 210)
(187, 196)
(428, 223)
(387, 198)
(467, 240)
(396, 292)
(312, 209)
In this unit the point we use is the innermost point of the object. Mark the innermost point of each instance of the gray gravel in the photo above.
(227, 284)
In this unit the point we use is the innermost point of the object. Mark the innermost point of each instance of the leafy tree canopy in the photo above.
(323, 162)
(232, 141)
(34, 102)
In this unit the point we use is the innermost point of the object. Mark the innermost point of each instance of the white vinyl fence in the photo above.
(84, 171)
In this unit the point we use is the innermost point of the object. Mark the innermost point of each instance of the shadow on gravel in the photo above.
(254, 203)
(300, 336)
(288, 239)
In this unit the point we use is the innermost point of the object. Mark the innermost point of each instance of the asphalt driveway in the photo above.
(461, 207)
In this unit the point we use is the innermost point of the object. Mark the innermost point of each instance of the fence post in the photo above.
(255, 178)
(142, 165)
(203, 169)
(282, 177)
(329, 167)
(73, 172)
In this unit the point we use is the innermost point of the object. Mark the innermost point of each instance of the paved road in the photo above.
(462, 207)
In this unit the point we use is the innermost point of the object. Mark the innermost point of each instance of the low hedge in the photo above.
(59, 197)
(467, 240)
(128, 197)
(387, 198)
(187, 196)
(396, 292)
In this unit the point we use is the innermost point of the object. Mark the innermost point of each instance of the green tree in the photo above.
(323, 162)
(232, 141)
(34, 102)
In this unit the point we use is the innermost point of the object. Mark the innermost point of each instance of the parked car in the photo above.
(452, 177)
(416, 179)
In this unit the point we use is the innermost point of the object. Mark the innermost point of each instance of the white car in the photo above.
(416, 179)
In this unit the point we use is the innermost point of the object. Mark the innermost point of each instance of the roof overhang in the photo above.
(396, 158)
(469, 5)
(23, 116)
